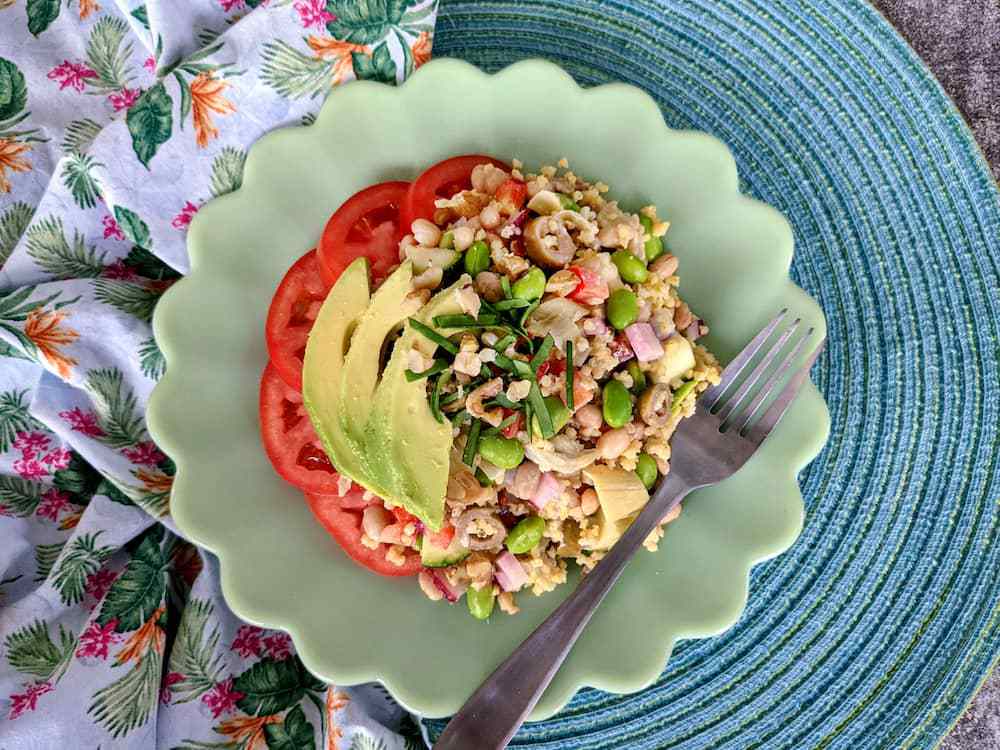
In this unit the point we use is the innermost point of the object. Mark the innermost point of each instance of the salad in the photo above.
(475, 377)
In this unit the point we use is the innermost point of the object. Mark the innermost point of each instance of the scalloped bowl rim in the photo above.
(182, 348)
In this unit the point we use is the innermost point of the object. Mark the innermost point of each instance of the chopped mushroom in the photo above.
(479, 528)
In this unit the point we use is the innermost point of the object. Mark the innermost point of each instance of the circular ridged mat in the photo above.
(876, 628)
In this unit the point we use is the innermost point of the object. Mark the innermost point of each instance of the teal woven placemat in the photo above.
(879, 624)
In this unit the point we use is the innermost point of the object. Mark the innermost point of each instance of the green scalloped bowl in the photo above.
(279, 568)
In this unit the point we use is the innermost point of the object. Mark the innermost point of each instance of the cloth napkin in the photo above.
(117, 122)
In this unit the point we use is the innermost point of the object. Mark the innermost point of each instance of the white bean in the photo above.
(426, 233)
(589, 417)
(613, 443)
(464, 237)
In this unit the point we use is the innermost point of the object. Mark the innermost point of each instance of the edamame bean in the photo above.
(630, 268)
(646, 470)
(480, 601)
(531, 286)
(507, 453)
(638, 376)
(526, 535)
(557, 411)
(617, 404)
(447, 240)
(622, 308)
(653, 246)
(567, 203)
(680, 394)
(477, 258)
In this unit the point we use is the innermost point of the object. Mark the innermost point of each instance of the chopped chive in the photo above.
(501, 400)
(505, 286)
(541, 412)
(504, 362)
(439, 383)
(680, 394)
(506, 341)
(484, 304)
(485, 372)
(434, 369)
(460, 417)
(433, 335)
(523, 370)
(484, 481)
(472, 443)
(543, 353)
(450, 397)
(529, 425)
(512, 304)
(569, 375)
(527, 312)
(465, 321)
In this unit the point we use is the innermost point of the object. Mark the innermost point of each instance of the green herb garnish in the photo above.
(502, 345)
(484, 481)
(472, 443)
(523, 370)
(505, 286)
(460, 417)
(439, 383)
(434, 369)
(543, 353)
(433, 335)
(541, 412)
(465, 321)
(569, 375)
(512, 304)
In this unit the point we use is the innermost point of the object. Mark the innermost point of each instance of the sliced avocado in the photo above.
(389, 307)
(433, 556)
(402, 433)
(324, 363)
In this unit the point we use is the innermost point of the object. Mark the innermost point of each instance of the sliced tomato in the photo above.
(403, 516)
(441, 539)
(442, 180)
(293, 311)
(289, 438)
(368, 225)
(345, 527)
(512, 194)
(592, 289)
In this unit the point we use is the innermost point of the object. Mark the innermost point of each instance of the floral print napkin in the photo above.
(117, 122)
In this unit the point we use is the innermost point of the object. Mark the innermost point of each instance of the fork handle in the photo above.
(497, 709)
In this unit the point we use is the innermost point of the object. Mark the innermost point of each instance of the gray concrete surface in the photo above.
(960, 41)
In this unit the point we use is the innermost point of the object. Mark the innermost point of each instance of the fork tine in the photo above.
(777, 409)
(733, 404)
(768, 388)
(732, 371)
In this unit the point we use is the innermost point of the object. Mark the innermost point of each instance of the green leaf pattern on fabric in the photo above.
(112, 135)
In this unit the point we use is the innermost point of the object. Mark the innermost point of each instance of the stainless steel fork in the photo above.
(708, 447)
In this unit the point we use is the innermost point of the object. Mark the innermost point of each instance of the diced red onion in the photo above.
(645, 344)
(548, 489)
(509, 572)
(693, 331)
(450, 592)
(519, 219)
(620, 349)
(374, 520)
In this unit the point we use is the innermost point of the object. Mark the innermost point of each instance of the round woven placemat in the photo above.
(875, 629)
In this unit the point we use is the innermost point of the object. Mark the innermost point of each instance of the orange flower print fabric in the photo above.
(117, 123)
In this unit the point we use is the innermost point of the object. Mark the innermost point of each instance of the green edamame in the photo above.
(447, 240)
(558, 413)
(680, 394)
(526, 535)
(653, 246)
(630, 268)
(507, 453)
(567, 203)
(477, 258)
(480, 601)
(646, 470)
(531, 286)
(617, 404)
(638, 377)
(622, 308)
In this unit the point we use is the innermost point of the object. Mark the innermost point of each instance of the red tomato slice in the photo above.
(293, 311)
(345, 527)
(592, 288)
(442, 180)
(512, 194)
(289, 439)
(368, 225)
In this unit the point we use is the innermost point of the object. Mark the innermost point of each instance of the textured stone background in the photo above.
(960, 41)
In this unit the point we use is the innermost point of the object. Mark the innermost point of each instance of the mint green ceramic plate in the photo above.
(279, 568)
